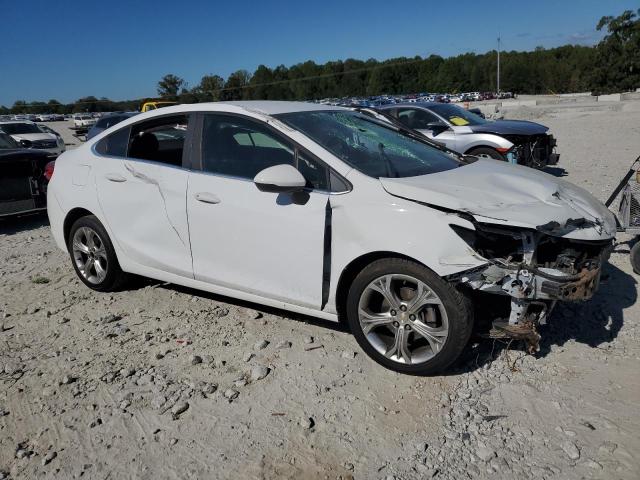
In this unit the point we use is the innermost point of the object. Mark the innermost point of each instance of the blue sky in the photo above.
(119, 49)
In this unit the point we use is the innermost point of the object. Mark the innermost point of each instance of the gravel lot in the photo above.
(164, 382)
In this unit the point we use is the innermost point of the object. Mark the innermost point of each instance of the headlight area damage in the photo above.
(533, 269)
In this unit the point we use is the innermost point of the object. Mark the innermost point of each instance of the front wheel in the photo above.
(407, 318)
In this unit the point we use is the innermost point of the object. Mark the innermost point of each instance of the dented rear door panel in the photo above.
(144, 204)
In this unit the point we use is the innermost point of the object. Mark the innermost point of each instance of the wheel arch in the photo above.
(73, 215)
(483, 145)
(351, 271)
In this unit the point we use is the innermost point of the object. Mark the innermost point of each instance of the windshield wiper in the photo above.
(387, 161)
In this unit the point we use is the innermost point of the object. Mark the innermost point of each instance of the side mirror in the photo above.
(280, 179)
(437, 127)
(25, 143)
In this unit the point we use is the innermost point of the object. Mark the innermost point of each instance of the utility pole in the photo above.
(498, 78)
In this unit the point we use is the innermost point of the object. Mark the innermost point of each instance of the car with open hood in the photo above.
(517, 141)
(329, 212)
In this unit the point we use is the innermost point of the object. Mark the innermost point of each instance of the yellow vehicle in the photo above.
(146, 106)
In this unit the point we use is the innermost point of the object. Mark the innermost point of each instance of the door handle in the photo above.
(115, 177)
(206, 197)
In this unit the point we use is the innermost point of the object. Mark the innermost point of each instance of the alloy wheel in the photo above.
(403, 318)
(90, 255)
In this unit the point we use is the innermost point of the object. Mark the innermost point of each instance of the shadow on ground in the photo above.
(286, 315)
(591, 323)
(16, 224)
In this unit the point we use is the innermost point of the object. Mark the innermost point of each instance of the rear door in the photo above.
(142, 185)
(264, 243)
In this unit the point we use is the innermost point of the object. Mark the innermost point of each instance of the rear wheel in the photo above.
(407, 318)
(93, 256)
(487, 152)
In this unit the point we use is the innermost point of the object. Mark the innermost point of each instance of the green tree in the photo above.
(210, 88)
(617, 64)
(169, 86)
(235, 88)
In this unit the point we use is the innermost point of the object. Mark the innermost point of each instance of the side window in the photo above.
(239, 147)
(417, 118)
(159, 139)
(114, 145)
(315, 173)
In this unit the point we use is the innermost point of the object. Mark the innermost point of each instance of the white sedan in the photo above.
(328, 212)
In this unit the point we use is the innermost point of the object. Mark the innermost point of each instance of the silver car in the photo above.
(515, 141)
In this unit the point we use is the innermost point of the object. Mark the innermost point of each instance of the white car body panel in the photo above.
(144, 203)
(509, 195)
(245, 232)
(261, 247)
(462, 139)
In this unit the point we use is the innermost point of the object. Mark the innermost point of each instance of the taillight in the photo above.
(48, 170)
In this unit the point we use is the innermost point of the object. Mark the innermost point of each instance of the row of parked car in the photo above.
(380, 100)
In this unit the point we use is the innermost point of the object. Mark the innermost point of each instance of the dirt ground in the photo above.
(164, 382)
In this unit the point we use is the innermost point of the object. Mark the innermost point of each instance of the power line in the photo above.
(244, 87)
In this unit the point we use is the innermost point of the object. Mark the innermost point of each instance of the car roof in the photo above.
(254, 108)
(16, 121)
(273, 107)
(264, 107)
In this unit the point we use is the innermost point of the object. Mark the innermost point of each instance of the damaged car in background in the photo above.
(329, 212)
(516, 141)
(24, 174)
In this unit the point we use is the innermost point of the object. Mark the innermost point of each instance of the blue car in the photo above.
(108, 121)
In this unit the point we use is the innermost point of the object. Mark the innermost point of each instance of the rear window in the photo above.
(19, 128)
(116, 144)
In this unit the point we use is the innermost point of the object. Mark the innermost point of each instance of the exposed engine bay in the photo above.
(533, 268)
(536, 151)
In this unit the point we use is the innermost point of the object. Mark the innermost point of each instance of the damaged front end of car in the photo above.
(531, 269)
(536, 151)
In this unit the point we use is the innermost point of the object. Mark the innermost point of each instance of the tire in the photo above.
(634, 257)
(93, 256)
(377, 326)
(487, 152)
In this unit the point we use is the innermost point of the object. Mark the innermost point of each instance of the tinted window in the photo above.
(315, 173)
(374, 148)
(239, 147)
(7, 142)
(159, 139)
(116, 144)
(19, 128)
(416, 118)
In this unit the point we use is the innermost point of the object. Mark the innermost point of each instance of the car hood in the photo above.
(510, 127)
(505, 194)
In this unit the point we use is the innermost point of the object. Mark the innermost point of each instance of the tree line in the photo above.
(611, 65)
